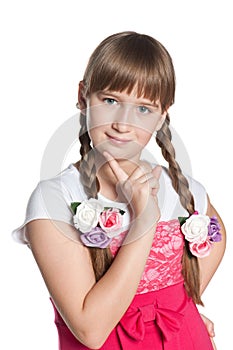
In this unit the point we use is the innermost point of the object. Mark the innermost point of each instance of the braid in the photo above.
(180, 184)
(179, 181)
(87, 166)
(101, 258)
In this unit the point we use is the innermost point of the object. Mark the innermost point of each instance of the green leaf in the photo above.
(121, 211)
(182, 219)
(74, 206)
(106, 208)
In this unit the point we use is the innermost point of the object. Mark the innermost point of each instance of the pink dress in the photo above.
(161, 316)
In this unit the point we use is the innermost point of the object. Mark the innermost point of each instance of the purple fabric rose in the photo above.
(95, 238)
(214, 230)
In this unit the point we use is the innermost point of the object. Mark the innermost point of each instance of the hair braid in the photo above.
(180, 184)
(179, 181)
(87, 166)
(101, 258)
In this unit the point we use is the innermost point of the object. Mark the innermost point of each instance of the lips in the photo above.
(118, 140)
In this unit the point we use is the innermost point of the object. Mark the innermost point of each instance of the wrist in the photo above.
(140, 229)
(146, 218)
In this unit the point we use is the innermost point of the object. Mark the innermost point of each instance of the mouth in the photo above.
(118, 140)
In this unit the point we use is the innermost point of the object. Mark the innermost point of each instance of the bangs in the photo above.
(130, 61)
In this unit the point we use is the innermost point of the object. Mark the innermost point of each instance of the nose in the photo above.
(122, 121)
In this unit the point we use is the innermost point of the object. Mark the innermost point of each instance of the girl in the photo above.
(122, 270)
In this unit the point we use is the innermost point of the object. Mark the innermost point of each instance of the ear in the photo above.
(81, 97)
(161, 120)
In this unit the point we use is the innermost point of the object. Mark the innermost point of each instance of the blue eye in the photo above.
(110, 101)
(143, 110)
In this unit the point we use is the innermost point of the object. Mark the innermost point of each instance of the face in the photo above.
(122, 123)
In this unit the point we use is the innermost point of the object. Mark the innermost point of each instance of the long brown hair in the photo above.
(122, 62)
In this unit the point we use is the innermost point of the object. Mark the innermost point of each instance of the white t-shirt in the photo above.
(52, 198)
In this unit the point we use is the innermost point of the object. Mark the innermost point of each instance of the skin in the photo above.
(122, 124)
(65, 264)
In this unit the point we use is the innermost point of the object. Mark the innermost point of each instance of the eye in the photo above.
(143, 110)
(109, 101)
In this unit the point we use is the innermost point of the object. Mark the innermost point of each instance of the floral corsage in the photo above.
(96, 223)
(200, 231)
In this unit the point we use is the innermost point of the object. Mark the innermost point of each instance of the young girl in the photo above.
(125, 247)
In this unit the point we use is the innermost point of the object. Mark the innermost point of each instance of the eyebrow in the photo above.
(116, 95)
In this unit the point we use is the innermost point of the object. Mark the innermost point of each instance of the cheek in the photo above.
(94, 133)
(144, 134)
(147, 126)
(99, 116)
(92, 121)
(144, 137)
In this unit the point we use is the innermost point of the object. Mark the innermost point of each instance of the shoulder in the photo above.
(169, 200)
(199, 193)
(64, 185)
(52, 198)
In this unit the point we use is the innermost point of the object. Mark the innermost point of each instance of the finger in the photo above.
(138, 176)
(141, 174)
(117, 170)
(157, 171)
(150, 179)
(154, 188)
(209, 325)
(210, 328)
(154, 192)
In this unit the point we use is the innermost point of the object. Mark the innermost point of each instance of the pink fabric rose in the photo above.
(200, 249)
(110, 221)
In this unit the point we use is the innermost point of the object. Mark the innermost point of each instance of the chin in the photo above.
(122, 154)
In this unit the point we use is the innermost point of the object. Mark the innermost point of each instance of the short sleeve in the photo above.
(199, 194)
(169, 201)
(49, 200)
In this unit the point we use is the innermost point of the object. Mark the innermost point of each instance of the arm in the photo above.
(91, 310)
(209, 265)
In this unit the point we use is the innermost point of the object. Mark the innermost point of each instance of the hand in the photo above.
(140, 190)
(210, 329)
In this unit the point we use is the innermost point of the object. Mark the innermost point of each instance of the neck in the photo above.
(107, 179)
(103, 169)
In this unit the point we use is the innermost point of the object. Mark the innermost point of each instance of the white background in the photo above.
(44, 49)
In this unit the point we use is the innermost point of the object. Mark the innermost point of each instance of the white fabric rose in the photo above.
(195, 228)
(87, 215)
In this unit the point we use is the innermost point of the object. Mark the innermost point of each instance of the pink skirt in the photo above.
(162, 320)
